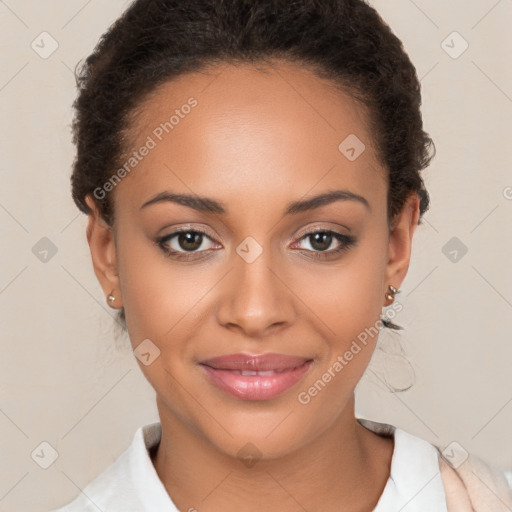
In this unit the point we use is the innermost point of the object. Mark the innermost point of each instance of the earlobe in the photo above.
(400, 242)
(100, 238)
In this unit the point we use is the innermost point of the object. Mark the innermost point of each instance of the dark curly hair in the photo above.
(154, 41)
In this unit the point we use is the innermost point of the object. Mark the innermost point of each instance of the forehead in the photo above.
(251, 130)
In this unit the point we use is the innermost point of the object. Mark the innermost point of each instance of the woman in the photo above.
(251, 172)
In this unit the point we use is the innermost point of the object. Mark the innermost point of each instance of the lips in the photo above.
(258, 377)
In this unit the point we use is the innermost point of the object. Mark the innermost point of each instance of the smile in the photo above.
(255, 377)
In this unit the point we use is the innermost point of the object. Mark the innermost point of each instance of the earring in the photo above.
(111, 298)
(390, 294)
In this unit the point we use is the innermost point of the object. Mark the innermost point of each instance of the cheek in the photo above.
(348, 303)
(349, 298)
(158, 294)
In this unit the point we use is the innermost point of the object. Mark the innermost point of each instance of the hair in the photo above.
(154, 41)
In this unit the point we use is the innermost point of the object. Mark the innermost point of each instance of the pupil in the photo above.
(186, 241)
(323, 240)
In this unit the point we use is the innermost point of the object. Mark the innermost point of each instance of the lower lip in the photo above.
(256, 387)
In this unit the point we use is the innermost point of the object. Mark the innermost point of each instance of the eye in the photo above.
(322, 239)
(187, 243)
(184, 242)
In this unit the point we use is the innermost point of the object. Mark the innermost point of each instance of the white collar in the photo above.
(149, 488)
(414, 485)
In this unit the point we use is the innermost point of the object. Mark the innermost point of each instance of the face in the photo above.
(251, 264)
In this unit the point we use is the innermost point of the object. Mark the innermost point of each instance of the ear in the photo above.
(101, 241)
(400, 242)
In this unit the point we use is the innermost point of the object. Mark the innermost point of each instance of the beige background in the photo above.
(63, 378)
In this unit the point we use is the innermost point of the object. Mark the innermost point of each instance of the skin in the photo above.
(260, 138)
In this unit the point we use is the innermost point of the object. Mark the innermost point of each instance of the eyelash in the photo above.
(346, 242)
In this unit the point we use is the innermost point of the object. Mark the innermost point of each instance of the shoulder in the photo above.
(119, 486)
(414, 466)
(469, 483)
(110, 488)
(485, 486)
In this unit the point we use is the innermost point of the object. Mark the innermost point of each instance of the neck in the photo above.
(345, 467)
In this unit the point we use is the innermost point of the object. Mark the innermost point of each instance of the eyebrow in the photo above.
(208, 205)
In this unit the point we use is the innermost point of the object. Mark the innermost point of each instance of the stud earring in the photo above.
(111, 298)
(390, 294)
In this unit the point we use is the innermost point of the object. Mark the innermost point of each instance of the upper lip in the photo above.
(263, 362)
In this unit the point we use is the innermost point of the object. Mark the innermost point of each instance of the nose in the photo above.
(256, 298)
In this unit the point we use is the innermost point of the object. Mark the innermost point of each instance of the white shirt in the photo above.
(131, 483)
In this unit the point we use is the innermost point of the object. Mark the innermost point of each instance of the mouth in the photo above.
(259, 377)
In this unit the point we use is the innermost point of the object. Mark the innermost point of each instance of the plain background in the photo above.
(65, 380)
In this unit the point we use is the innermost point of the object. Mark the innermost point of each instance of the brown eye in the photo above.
(321, 240)
(183, 241)
(190, 240)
